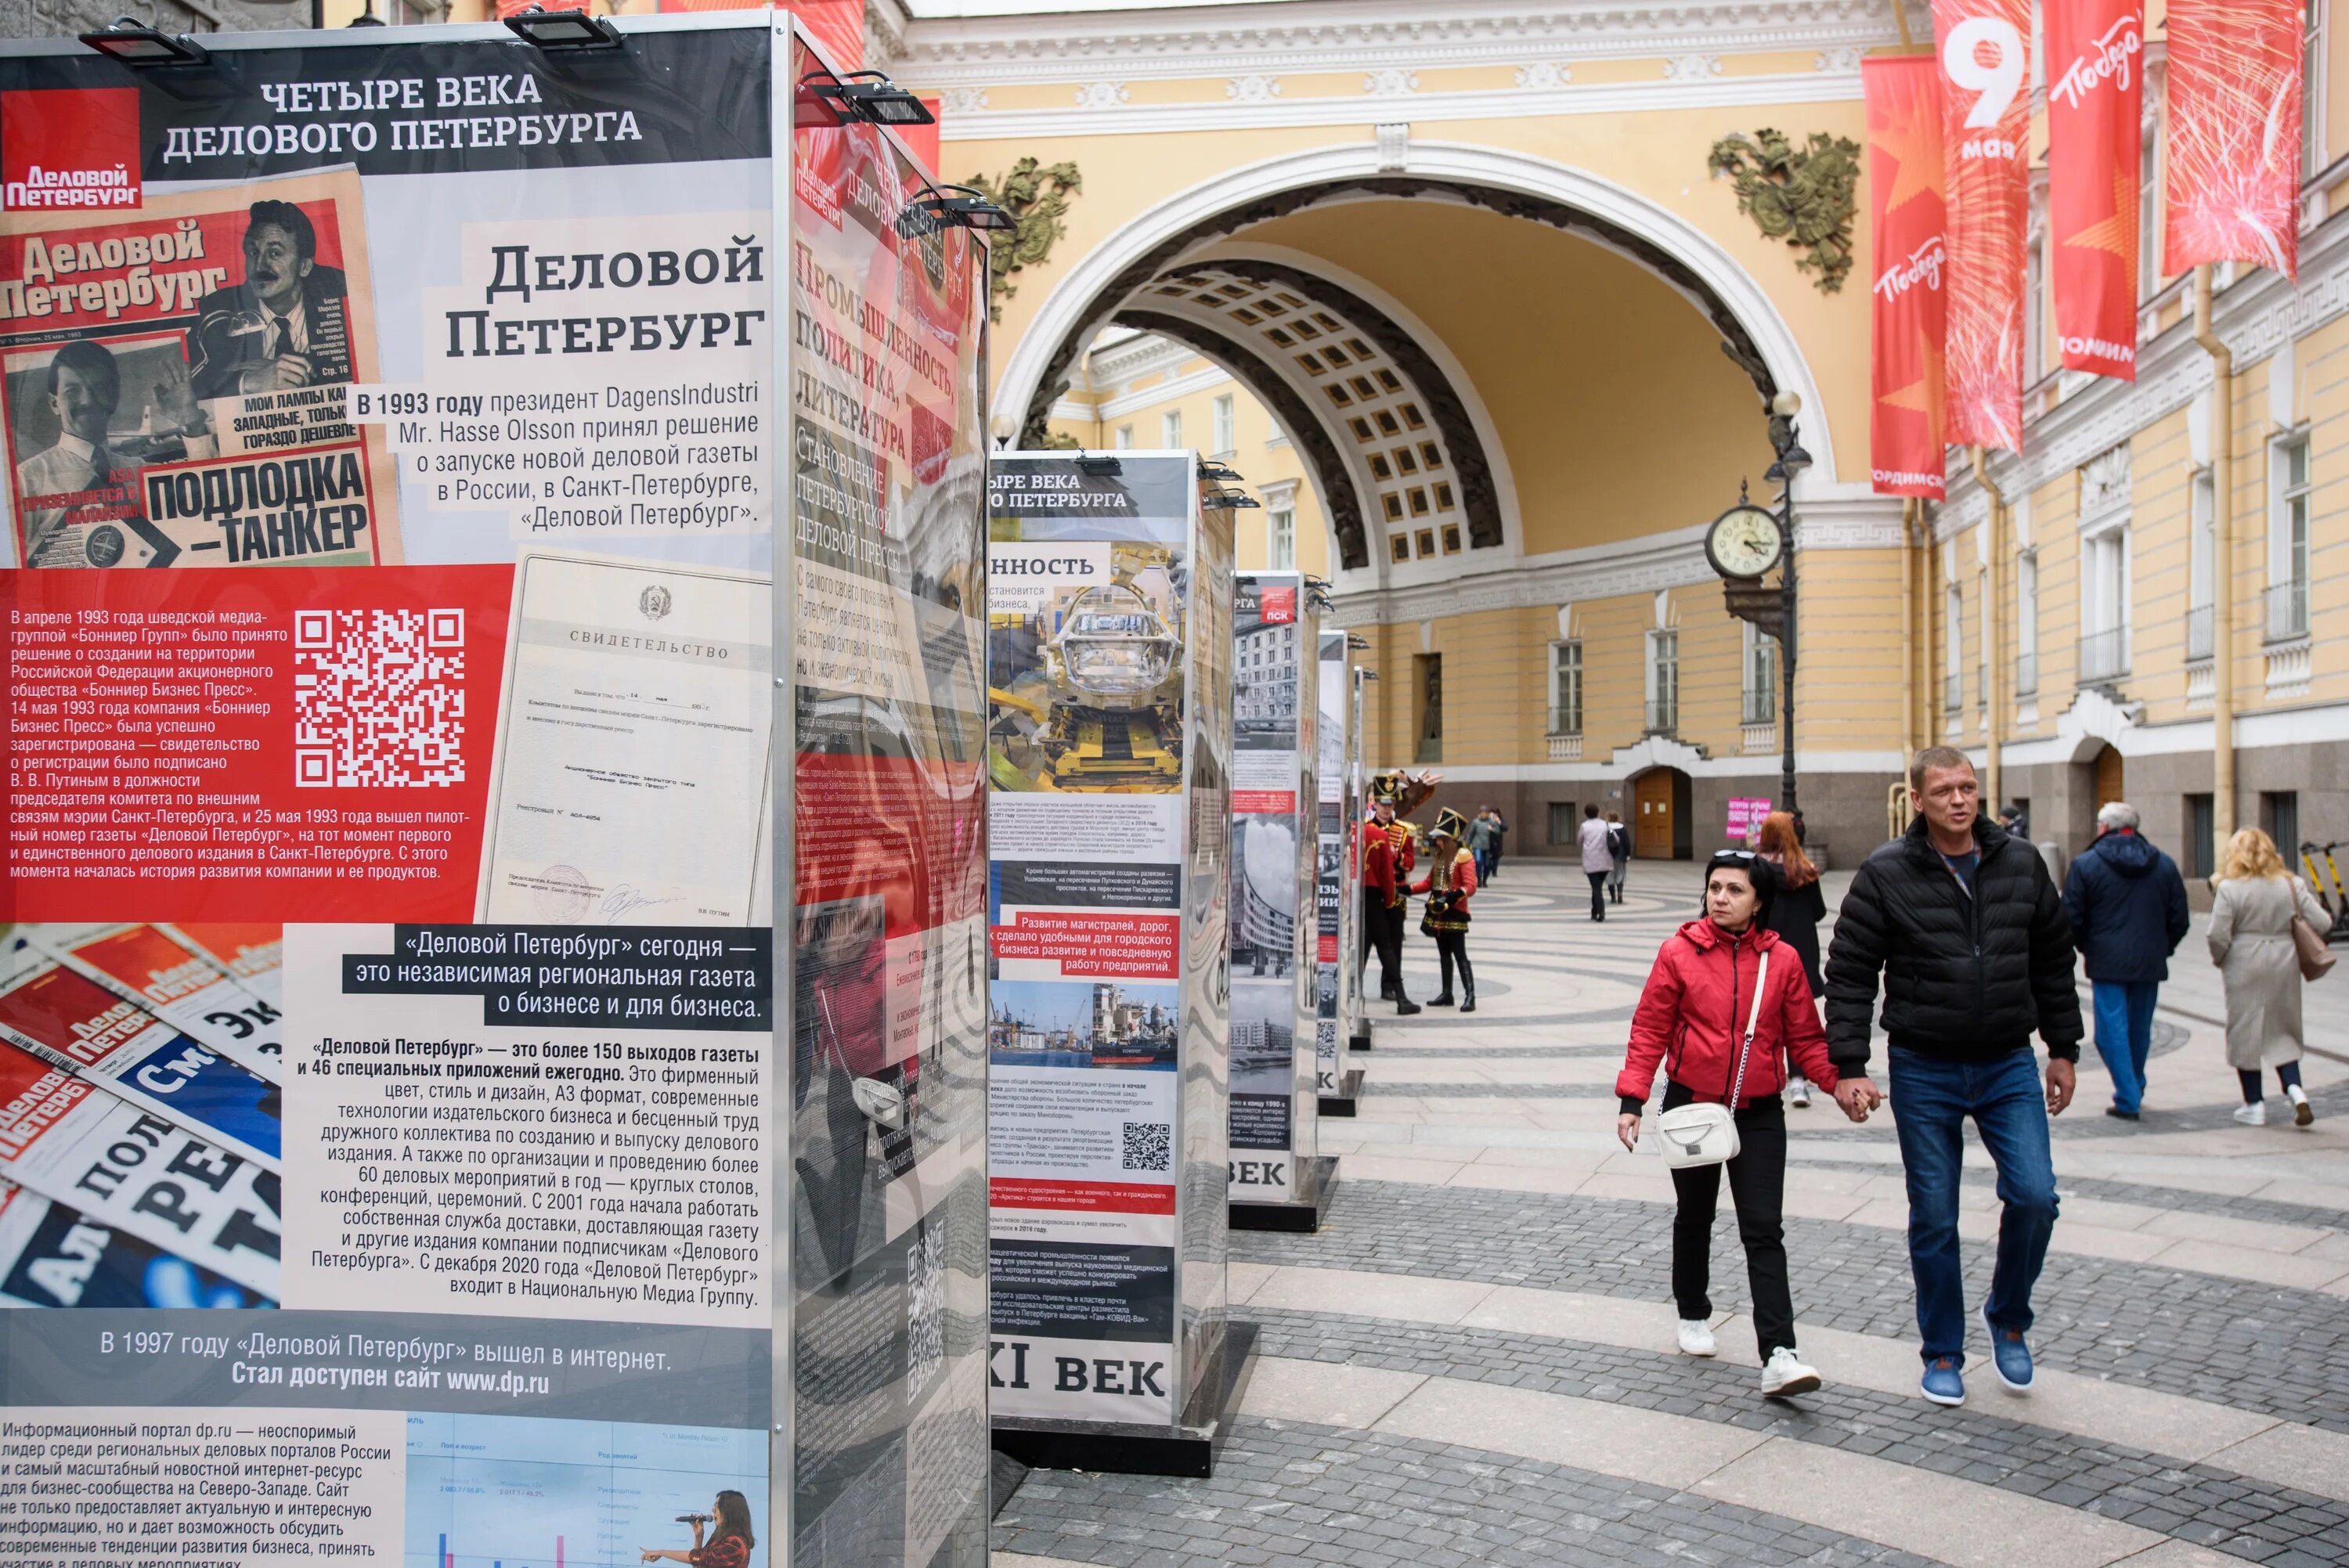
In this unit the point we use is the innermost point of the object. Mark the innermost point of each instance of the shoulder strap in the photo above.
(1752, 1023)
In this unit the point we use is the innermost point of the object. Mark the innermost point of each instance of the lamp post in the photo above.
(1791, 460)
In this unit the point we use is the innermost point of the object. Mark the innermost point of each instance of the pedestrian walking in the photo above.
(1450, 879)
(1724, 1013)
(2127, 905)
(2252, 942)
(1483, 836)
(1796, 911)
(1598, 858)
(1619, 849)
(1386, 868)
(1966, 930)
(1500, 840)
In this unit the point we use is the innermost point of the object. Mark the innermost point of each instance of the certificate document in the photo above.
(632, 766)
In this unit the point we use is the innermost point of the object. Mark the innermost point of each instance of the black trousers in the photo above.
(1597, 895)
(1757, 1186)
(1452, 948)
(1382, 934)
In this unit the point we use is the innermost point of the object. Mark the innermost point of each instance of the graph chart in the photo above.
(503, 1491)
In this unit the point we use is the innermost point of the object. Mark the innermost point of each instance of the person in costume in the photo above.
(1386, 858)
(1450, 879)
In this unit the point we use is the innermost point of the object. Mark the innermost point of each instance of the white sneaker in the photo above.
(1696, 1337)
(2252, 1115)
(1801, 1095)
(1785, 1373)
(2303, 1113)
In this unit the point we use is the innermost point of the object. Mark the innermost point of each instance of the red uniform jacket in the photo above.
(1691, 1017)
(1387, 860)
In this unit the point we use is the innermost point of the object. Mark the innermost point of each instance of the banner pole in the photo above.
(1900, 20)
(2222, 563)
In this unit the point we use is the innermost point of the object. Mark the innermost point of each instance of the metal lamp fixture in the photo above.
(1221, 473)
(961, 207)
(134, 43)
(547, 30)
(1230, 501)
(870, 96)
(1100, 466)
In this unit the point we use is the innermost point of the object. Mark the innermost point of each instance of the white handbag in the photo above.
(1701, 1133)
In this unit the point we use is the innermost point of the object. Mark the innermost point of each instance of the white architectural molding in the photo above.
(1157, 392)
(1094, 97)
(1627, 760)
(1544, 75)
(2255, 728)
(1390, 81)
(1651, 565)
(1324, 36)
(1096, 117)
(1077, 293)
(1691, 67)
(1394, 146)
(1252, 88)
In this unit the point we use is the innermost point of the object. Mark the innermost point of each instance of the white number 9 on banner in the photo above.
(1999, 82)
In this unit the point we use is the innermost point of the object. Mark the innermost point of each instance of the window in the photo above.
(1761, 675)
(2311, 99)
(2201, 837)
(1953, 648)
(1566, 687)
(2034, 307)
(2198, 561)
(1228, 438)
(2105, 604)
(1663, 682)
(2026, 624)
(1564, 822)
(1984, 650)
(1170, 428)
(2288, 540)
(2279, 815)
(1280, 529)
(1125, 436)
(1427, 686)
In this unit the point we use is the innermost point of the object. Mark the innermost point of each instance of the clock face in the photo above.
(1745, 542)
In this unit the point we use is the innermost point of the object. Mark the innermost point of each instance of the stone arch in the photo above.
(1162, 239)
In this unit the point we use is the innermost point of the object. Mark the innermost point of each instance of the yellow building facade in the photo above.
(1451, 285)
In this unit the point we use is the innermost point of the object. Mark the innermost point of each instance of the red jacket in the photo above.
(1691, 1017)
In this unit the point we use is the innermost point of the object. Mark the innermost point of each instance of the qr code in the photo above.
(1149, 1145)
(378, 698)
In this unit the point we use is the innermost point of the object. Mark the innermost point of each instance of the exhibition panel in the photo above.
(1110, 758)
(491, 1007)
(1276, 831)
(1336, 977)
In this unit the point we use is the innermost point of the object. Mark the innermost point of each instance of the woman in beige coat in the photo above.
(2251, 943)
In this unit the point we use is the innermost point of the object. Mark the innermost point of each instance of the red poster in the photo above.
(1985, 123)
(250, 743)
(1909, 313)
(2096, 87)
(2233, 160)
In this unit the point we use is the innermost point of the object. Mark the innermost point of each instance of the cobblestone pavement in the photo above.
(1473, 1362)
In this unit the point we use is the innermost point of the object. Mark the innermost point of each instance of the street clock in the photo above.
(1744, 541)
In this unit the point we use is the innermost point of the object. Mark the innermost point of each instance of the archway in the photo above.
(1190, 269)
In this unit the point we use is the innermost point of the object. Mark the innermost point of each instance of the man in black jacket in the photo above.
(1965, 926)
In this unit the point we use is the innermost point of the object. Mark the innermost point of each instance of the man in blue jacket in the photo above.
(2128, 907)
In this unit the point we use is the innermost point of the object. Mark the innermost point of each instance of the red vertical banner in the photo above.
(1908, 312)
(1985, 70)
(2233, 159)
(2095, 134)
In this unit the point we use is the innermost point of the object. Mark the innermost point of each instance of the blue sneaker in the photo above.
(2009, 1354)
(1943, 1385)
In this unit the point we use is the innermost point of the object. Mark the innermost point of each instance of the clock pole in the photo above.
(1792, 461)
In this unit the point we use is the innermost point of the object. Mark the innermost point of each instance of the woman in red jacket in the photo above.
(1692, 1019)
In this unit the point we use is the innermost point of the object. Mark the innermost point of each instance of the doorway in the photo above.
(2111, 778)
(1662, 820)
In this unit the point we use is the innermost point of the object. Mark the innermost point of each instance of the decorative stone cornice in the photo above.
(1321, 35)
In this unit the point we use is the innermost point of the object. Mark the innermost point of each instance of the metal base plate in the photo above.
(1317, 1184)
(1350, 1090)
(1115, 1448)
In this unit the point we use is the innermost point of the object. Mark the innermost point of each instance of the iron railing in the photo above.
(2287, 611)
(2104, 656)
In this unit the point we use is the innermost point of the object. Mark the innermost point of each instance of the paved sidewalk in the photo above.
(1473, 1363)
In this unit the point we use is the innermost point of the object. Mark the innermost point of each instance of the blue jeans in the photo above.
(2125, 1035)
(1931, 1102)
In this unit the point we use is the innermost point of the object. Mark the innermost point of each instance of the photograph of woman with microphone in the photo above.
(730, 1538)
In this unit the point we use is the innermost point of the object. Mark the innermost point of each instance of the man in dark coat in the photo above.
(1963, 924)
(286, 324)
(2128, 907)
